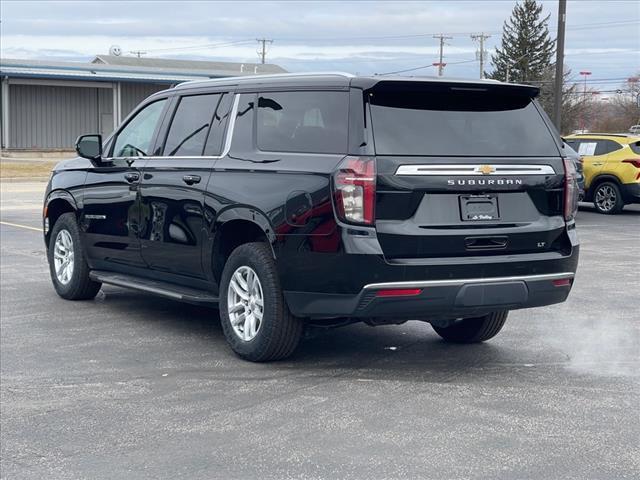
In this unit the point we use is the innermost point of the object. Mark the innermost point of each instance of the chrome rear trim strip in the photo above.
(466, 281)
(479, 169)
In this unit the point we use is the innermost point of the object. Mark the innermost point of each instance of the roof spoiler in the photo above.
(446, 85)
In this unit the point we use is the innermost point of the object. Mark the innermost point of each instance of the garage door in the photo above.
(51, 117)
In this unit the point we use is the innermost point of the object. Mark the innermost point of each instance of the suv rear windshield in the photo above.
(459, 121)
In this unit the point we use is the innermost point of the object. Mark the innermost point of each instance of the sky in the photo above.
(360, 37)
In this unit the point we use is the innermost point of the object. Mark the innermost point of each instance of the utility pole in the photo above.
(562, 20)
(441, 65)
(263, 51)
(481, 37)
(138, 53)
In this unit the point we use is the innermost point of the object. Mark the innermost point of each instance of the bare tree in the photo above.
(621, 110)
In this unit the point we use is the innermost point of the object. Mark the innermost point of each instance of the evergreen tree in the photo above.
(526, 52)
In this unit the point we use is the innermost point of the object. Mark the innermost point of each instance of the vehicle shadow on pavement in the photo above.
(407, 352)
(627, 211)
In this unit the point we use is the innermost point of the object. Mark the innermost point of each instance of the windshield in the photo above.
(458, 122)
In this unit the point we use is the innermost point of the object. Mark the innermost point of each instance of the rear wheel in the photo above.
(67, 264)
(255, 318)
(607, 198)
(473, 330)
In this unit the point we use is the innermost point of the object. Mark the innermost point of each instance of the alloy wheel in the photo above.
(245, 303)
(606, 198)
(63, 257)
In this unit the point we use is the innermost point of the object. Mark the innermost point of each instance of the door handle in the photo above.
(597, 164)
(132, 177)
(191, 179)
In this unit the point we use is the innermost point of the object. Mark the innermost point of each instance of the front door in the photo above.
(173, 186)
(111, 212)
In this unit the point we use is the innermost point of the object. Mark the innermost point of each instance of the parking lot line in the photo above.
(21, 226)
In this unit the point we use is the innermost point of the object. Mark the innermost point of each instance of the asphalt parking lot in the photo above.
(132, 386)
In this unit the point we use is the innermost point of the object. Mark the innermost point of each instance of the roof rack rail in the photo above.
(263, 76)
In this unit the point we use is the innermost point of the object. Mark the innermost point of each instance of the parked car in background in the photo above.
(634, 130)
(578, 163)
(611, 169)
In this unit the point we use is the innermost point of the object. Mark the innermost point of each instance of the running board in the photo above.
(156, 287)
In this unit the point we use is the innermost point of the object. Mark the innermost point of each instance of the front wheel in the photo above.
(473, 330)
(607, 198)
(67, 264)
(255, 318)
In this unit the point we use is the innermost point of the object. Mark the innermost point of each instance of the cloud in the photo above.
(355, 36)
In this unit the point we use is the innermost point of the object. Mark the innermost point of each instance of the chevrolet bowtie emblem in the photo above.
(485, 169)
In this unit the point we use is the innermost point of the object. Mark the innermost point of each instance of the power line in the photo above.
(206, 45)
(380, 37)
(417, 35)
(423, 66)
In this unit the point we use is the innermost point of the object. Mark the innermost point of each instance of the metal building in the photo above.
(46, 105)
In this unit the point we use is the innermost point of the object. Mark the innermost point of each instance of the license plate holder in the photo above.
(479, 208)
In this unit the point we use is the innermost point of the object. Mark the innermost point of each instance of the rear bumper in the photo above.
(437, 299)
(631, 192)
(345, 283)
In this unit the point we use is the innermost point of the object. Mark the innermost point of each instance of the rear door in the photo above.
(173, 184)
(464, 170)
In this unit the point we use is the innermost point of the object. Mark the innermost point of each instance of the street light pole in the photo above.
(585, 74)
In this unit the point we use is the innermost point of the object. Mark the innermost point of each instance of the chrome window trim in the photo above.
(475, 169)
(225, 150)
(464, 281)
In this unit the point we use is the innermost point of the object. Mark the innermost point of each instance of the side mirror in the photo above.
(90, 147)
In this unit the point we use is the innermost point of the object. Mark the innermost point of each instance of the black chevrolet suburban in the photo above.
(323, 199)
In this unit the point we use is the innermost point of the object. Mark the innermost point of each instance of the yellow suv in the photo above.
(611, 168)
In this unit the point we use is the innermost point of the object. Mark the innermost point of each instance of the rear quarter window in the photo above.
(635, 147)
(607, 146)
(305, 122)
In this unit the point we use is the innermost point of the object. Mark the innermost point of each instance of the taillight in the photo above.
(354, 184)
(570, 190)
(635, 162)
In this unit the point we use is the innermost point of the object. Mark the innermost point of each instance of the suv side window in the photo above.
(587, 147)
(216, 131)
(134, 140)
(607, 146)
(303, 122)
(575, 144)
(190, 125)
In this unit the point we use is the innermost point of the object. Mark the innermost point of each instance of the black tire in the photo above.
(79, 286)
(607, 198)
(474, 330)
(279, 332)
